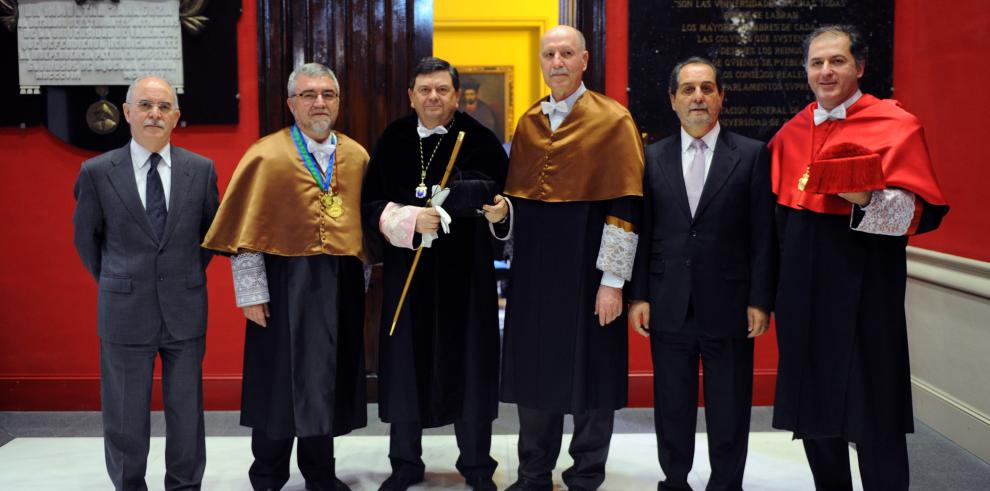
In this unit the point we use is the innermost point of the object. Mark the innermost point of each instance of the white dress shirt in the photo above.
(139, 158)
(687, 151)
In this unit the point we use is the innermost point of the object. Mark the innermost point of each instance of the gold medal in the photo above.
(803, 181)
(326, 200)
(332, 205)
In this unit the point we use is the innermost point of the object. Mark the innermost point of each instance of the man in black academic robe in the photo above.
(441, 364)
(291, 221)
(575, 183)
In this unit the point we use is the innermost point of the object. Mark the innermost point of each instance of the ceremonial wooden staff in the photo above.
(419, 252)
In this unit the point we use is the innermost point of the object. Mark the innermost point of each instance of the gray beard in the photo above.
(320, 126)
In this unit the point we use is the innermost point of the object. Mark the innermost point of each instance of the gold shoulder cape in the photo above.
(596, 154)
(272, 204)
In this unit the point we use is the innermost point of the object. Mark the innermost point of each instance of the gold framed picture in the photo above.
(486, 95)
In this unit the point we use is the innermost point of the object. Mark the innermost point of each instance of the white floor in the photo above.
(775, 463)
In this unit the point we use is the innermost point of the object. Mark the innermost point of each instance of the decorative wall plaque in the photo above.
(756, 44)
(83, 115)
(97, 43)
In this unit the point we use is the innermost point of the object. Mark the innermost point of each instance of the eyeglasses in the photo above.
(310, 96)
(146, 106)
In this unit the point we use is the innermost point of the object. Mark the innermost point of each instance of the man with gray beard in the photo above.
(291, 221)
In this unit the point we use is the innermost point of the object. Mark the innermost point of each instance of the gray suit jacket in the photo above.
(142, 280)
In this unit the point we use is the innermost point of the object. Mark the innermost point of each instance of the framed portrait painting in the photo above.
(486, 94)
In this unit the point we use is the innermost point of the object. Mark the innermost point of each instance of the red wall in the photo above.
(940, 75)
(49, 351)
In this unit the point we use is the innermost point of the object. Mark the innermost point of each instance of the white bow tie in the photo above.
(425, 133)
(326, 148)
(821, 115)
(549, 107)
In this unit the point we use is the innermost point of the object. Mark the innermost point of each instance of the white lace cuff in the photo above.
(618, 252)
(398, 224)
(250, 279)
(510, 217)
(889, 213)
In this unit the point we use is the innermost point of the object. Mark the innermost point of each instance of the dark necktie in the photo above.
(155, 198)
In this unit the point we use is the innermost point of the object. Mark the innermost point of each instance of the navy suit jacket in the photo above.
(144, 281)
(723, 259)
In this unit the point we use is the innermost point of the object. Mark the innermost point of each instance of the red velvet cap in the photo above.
(845, 168)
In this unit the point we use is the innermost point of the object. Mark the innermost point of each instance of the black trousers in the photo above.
(270, 469)
(125, 395)
(728, 392)
(474, 440)
(883, 465)
(540, 434)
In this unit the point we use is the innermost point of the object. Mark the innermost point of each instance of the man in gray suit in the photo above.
(141, 213)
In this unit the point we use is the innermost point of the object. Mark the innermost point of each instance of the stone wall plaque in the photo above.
(756, 44)
(97, 43)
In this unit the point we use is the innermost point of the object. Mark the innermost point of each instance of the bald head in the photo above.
(566, 31)
(564, 59)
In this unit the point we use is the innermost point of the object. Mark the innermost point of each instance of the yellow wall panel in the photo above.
(497, 34)
(461, 9)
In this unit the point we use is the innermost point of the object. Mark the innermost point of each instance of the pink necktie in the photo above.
(694, 180)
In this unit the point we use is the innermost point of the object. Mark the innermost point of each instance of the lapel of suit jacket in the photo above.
(673, 172)
(723, 163)
(181, 179)
(122, 179)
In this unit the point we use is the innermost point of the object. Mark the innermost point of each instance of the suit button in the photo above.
(694, 233)
(161, 277)
(687, 263)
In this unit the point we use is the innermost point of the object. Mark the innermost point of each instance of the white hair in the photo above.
(311, 70)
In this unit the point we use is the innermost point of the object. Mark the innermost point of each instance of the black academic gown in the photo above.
(842, 331)
(442, 362)
(304, 372)
(556, 356)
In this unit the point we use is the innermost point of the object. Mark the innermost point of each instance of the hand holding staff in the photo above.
(419, 252)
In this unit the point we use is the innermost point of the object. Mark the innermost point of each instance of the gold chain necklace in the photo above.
(424, 165)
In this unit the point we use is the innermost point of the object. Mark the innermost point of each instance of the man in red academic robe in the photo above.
(841, 329)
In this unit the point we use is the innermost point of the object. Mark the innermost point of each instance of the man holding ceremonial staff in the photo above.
(440, 364)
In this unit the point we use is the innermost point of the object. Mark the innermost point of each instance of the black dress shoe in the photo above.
(481, 484)
(399, 482)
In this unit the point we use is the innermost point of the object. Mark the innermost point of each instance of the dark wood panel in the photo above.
(590, 20)
(372, 46)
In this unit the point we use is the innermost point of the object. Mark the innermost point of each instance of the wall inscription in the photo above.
(97, 43)
(757, 46)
